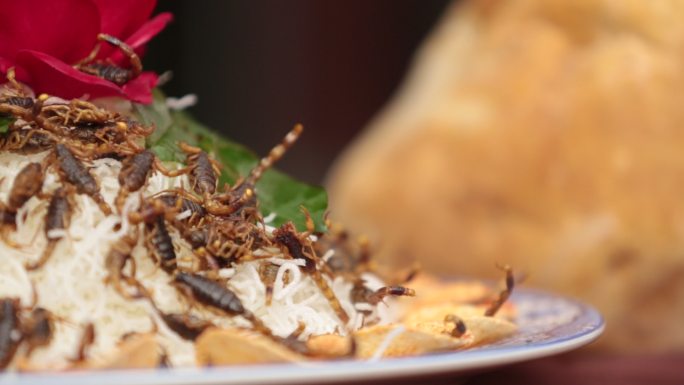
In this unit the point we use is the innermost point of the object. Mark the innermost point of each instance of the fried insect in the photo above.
(395, 291)
(183, 204)
(242, 196)
(87, 340)
(76, 174)
(150, 210)
(267, 273)
(134, 173)
(15, 103)
(76, 113)
(351, 256)
(110, 72)
(27, 141)
(459, 328)
(186, 326)
(203, 171)
(214, 295)
(293, 342)
(160, 244)
(232, 241)
(37, 329)
(27, 183)
(504, 294)
(274, 155)
(16, 106)
(210, 293)
(197, 238)
(360, 293)
(115, 262)
(286, 236)
(10, 334)
(58, 217)
(90, 131)
(154, 213)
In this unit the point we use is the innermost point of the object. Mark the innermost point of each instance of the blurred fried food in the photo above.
(546, 135)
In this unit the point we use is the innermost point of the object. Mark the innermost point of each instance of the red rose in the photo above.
(44, 39)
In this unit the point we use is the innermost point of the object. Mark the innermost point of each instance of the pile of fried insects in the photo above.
(181, 255)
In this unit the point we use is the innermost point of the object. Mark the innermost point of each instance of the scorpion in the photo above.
(287, 237)
(267, 273)
(153, 213)
(38, 329)
(459, 328)
(27, 141)
(87, 340)
(231, 241)
(10, 333)
(202, 171)
(90, 131)
(75, 173)
(210, 293)
(137, 169)
(182, 204)
(159, 241)
(15, 103)
(134, 173)
(27, 183)
(360, 293)
(35, 329)
(76, 112)
(110, 72)
(242, 197)
(187, 326)
(57, 217)
(115, 262)
(504, 294)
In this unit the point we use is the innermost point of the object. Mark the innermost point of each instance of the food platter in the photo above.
(549, 324)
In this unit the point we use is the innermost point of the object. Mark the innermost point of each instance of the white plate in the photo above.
(549, 324)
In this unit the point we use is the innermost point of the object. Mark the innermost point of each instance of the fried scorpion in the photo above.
(286, 236)
(110, 72)
(76, 174)
(57, 218)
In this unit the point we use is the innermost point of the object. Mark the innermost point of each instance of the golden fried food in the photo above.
(545, 134)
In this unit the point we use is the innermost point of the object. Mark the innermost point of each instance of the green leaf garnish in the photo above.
(277, 192)
(5, 123)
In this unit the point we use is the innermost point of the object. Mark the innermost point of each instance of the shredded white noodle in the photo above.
(72, 283)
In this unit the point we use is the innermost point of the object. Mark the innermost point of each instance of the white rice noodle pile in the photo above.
(71, 284)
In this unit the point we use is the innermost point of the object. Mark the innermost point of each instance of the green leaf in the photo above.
(5, 123)
(282, 195)
(277, 192)
(156, 113)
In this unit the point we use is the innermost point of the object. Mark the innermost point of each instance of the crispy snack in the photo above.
(402, 341)
(136, 352)
(331, 346)
(239, 347)
(424, 330)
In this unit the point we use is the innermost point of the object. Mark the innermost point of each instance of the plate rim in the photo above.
(339, 371)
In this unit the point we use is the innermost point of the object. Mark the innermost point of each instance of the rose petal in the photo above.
(121, 18)
(5, 64)
(52, 76)
(65, 29)
(139, 89)
(138, 39)
(19, 73)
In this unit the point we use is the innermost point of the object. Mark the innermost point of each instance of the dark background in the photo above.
(258, 67)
